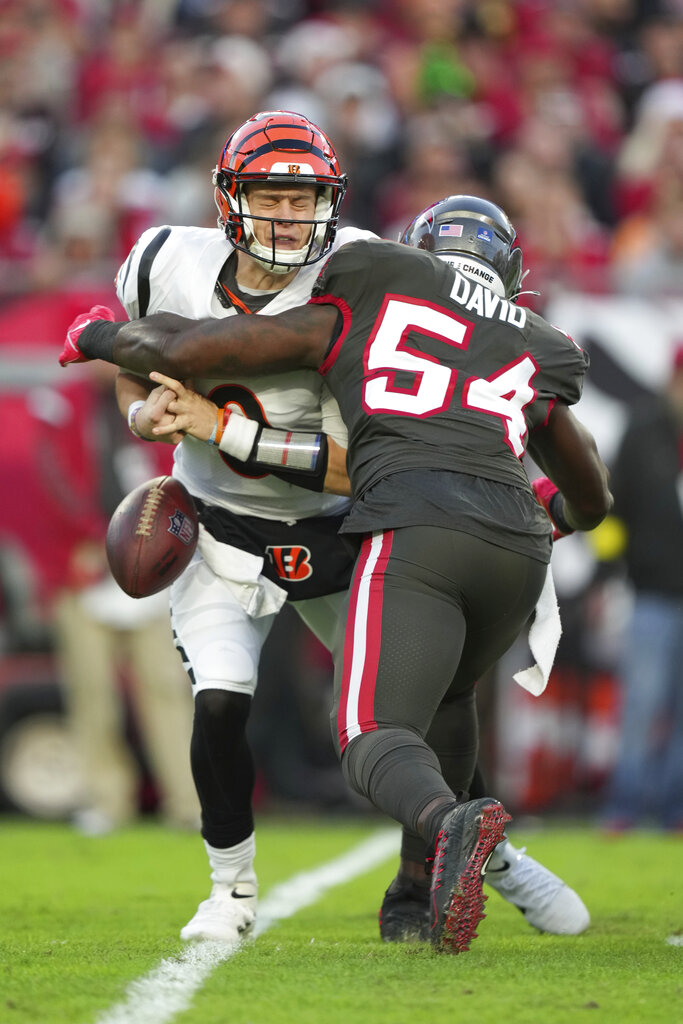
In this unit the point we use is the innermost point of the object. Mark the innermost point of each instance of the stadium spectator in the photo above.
(647, 480)
(647, 244)
(567, 246)
(431, 162)
(648, 248)
(108, 644)
(652, 147)
(485, 69)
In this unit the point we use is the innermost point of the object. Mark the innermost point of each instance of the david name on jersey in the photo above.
(474, 296)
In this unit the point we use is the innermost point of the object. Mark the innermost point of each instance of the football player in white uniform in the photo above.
(268, 533)
(278, 189)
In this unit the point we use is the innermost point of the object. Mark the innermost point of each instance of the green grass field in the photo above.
(83, 918)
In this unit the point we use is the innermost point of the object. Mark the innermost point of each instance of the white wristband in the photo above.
(239, 436)
(133, 410)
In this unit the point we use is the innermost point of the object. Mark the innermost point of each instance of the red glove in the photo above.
(71, 352)
(544, 492)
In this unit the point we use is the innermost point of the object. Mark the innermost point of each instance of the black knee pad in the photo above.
(223, 713)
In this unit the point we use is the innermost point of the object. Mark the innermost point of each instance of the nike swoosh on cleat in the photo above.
(495, 871)
(241, 895)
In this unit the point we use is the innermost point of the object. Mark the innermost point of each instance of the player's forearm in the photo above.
(583, 503)
(336, 478)
(130, 388)
(583, 512)
(312, 461)
(298, 457)
(138, 345)
(303, 458)
(566, 451)
(234, 346)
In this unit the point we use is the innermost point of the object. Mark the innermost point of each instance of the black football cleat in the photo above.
(404, 914)
(469, 835)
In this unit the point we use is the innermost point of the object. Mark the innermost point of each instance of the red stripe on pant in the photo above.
(362, 639)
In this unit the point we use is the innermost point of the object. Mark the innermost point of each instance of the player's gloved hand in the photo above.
(71, 352)
(547, 495)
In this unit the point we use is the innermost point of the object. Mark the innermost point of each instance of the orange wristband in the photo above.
(222, 417)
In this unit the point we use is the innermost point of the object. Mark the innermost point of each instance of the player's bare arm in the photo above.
(233, 346)
(145, 407)
(191, 413)
(131, 388)
(566, 451)
(337, 479)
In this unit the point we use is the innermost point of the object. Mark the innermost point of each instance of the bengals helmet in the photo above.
(285, 148)
(475, 236)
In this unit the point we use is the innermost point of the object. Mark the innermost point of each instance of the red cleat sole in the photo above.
(466, 907)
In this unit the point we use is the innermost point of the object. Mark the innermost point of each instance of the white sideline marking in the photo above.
(675, 940)
(168, 990)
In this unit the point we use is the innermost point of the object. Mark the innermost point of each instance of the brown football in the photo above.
(152, 536)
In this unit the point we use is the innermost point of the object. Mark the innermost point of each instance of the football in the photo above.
(152, 536)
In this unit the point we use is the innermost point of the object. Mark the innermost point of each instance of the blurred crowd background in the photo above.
(567, 113)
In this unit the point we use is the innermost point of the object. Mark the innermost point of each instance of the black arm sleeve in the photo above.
(96, 341)
(312, 479)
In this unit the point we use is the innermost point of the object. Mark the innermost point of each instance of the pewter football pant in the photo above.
(429, 611)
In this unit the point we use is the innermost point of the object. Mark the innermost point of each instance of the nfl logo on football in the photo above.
(181, 527)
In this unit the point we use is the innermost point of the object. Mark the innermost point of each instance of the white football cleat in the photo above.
(227, 916)
(545, 900)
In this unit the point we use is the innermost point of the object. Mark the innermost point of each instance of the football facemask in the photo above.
(282, 148)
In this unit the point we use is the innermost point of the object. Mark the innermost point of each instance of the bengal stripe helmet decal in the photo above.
(285, 149)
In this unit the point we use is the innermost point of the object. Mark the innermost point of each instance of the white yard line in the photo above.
(168, 990)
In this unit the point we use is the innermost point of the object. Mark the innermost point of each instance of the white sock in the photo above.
(502, 856)
(233, 864)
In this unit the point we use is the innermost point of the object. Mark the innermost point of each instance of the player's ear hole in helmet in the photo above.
(475, 236)
(285, 149)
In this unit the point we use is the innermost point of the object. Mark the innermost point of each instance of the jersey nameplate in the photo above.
(474, 296)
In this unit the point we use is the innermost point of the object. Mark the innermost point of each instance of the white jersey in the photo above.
(175, 270)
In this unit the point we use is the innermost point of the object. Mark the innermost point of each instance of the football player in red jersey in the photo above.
(443, 382)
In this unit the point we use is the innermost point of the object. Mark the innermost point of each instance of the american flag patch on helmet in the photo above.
(451, 229)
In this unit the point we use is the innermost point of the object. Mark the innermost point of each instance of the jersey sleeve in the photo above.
(346, 273)
(563, 368)
(133, 280)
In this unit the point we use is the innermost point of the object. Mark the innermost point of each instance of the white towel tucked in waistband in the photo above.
(544, 636)
(241, 572)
